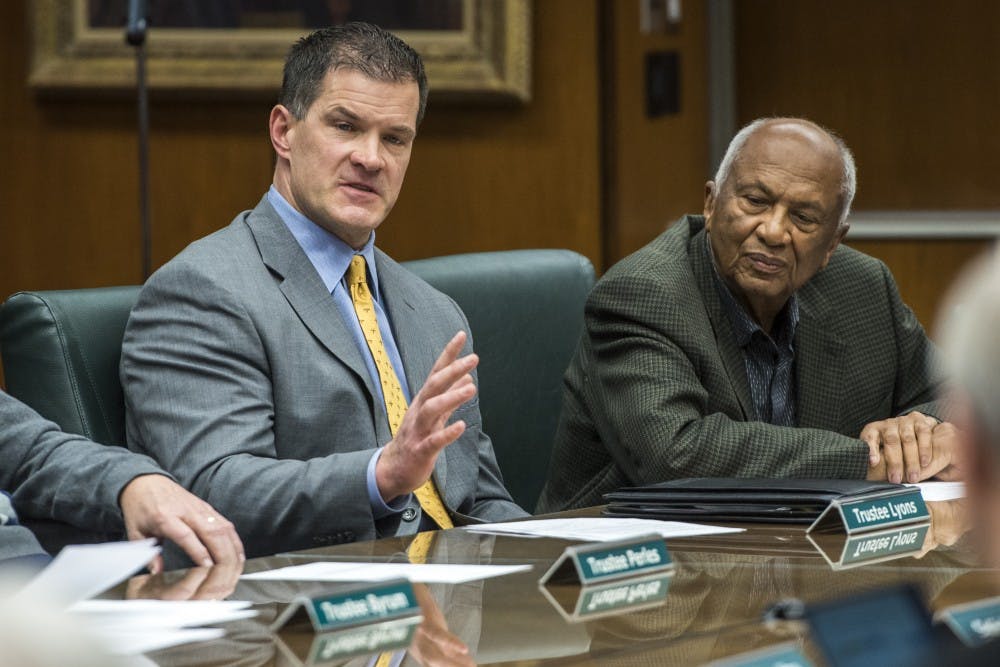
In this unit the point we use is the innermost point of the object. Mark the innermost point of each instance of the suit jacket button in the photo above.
(409, 514)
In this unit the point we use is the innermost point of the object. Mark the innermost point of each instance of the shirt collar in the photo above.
(745, 326)
(329, 254)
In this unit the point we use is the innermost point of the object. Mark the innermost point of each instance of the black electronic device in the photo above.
(888, 626)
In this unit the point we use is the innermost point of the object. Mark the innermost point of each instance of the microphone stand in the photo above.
(135, 35)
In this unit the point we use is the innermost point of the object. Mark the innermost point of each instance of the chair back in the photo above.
(61, 350)
(525, 309)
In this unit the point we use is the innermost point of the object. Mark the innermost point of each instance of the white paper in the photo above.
(128, 627)
(600, 529)
(937, 491)
(126, 642)
(175, 614)
(82, 571)
(427, 573)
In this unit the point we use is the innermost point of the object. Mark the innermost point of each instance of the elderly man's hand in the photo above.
(408, 460)
(910, 448)
(950, 520)
(155, 506)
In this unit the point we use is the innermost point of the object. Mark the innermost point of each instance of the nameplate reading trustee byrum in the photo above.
(359, 605)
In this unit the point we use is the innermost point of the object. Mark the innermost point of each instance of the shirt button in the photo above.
(409, 514)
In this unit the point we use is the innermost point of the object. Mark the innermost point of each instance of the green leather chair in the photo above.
(525, 309)
(61, 350)
(60, 353)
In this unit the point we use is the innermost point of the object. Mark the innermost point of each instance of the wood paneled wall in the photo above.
(913, 86)
(656, 167)
(481, 178)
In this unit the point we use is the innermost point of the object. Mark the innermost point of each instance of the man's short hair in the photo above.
(970, 345)
(362, 47)
(848, 182)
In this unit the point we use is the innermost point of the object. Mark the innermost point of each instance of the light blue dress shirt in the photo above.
(331, 258)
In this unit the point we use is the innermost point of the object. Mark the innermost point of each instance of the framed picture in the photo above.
(472, 49)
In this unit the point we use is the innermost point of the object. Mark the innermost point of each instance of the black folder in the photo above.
(727, 499)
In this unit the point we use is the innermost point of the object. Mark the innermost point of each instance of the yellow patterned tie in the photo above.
(395, 403)
(417, 552)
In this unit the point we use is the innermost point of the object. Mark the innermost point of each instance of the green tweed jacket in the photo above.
(658, 387)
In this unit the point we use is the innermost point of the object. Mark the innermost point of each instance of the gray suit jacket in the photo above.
(241, 379)
(63, 477)
(658, 387)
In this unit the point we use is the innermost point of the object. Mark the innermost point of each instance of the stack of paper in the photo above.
(597, 529)
(428, 573)
(127, 627)
(941, 491)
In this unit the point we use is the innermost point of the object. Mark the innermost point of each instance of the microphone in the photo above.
(135, 28)
(789, 609)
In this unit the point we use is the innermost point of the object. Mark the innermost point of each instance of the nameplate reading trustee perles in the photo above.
(607, 561)
(589, 602)
(859, 514)
(357, 605)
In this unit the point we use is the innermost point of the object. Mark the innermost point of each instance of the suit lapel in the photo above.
(413, 334)
(304, 289)
(818, 346)
(729, 350)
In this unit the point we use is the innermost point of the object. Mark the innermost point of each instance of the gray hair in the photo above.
(970, 341)
(848, 183)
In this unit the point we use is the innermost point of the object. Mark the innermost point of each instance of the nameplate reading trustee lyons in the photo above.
(883, 510)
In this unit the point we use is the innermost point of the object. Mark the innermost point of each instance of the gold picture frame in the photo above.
(489, 59)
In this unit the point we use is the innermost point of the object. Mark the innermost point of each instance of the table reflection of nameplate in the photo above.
(311, 650)
(782, 655)
(609, 561)
(583, 603)
(349, 606)
(847, 551)
(975, 623)
(875, 511)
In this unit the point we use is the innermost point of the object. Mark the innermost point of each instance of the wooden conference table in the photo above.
(715, 604)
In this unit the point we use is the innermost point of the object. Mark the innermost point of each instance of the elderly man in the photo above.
(749, 343)
(286, 370)
(56, 475)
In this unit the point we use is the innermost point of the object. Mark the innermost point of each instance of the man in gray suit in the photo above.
(748, 342)
(274, 387)
(65, 477)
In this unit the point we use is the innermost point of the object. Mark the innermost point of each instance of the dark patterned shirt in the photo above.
(770, 360)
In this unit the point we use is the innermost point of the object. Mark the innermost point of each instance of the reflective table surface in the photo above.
(714, 604)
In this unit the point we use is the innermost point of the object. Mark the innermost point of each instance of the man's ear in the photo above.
(838, 237)
(281, 125)
(710, 198)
